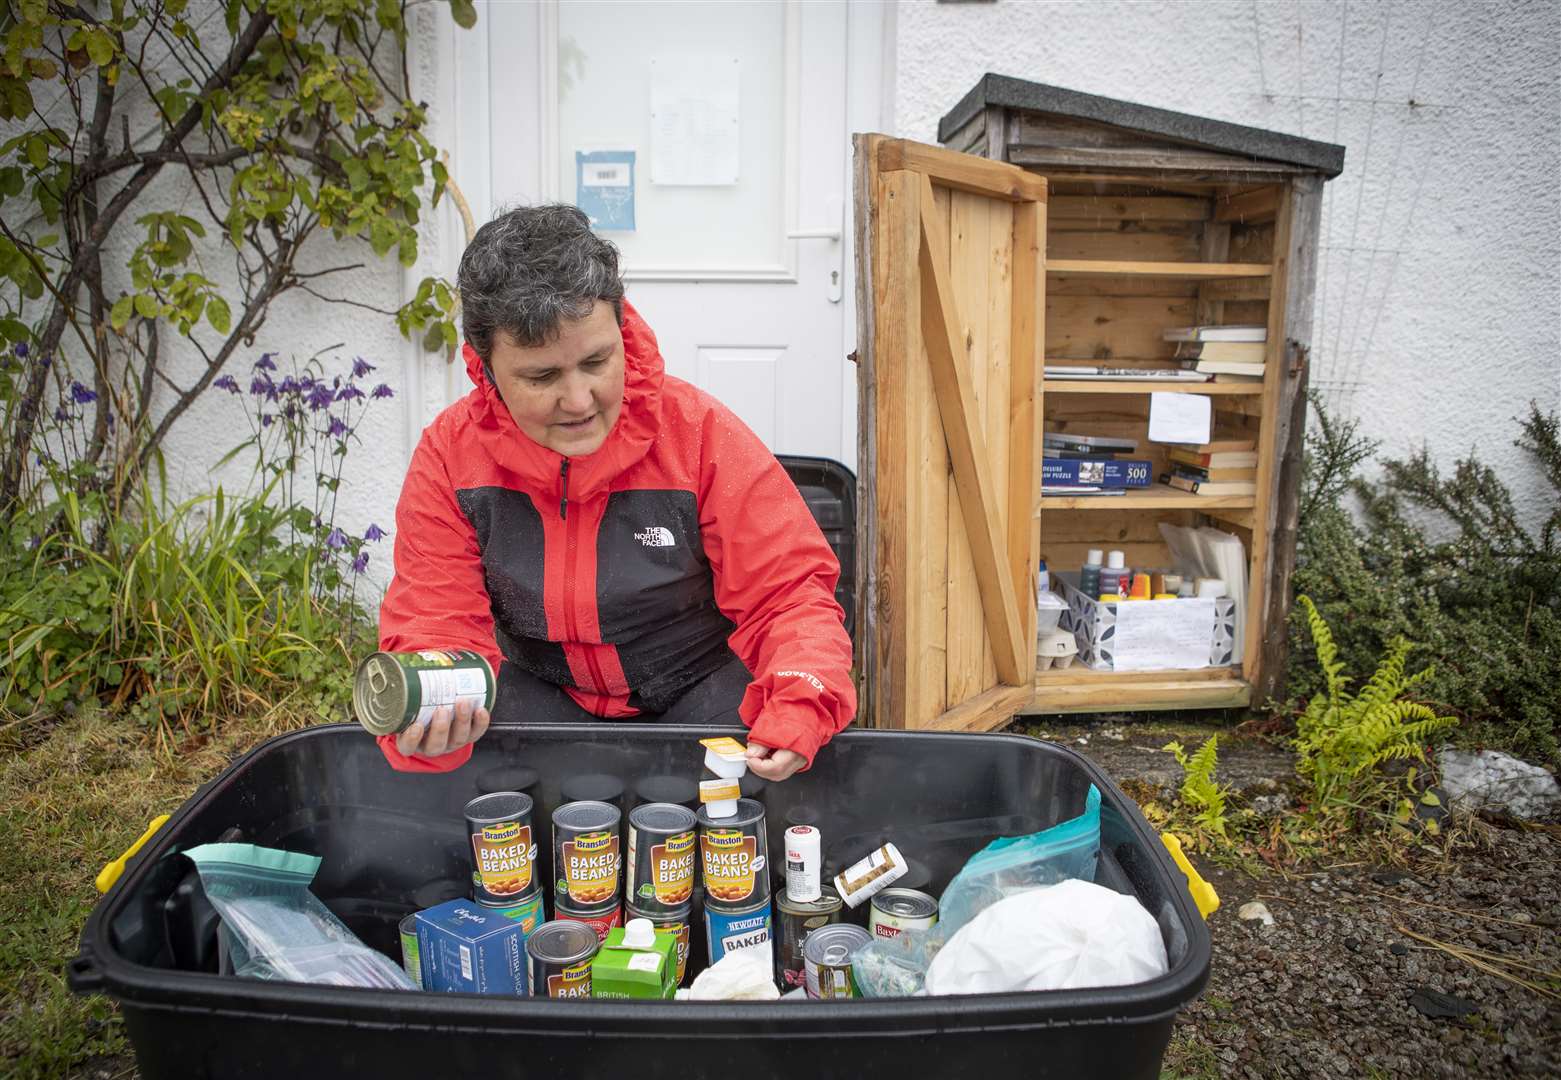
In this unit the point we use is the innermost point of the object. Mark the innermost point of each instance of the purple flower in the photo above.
(21, 350)
(80, 394)
(262, 386)
(228, 383)
(348, 393)
(34, 542)
(320, 396)
(62, 414)
(289, 386)
(374, 533)
(265, 419)
(265, 363)
(336, 539)
(43, 459)
(337, 428)
(361, 563)
(383, 391)
(361, 367)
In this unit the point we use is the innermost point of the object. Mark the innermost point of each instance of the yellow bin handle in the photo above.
(1203, 893)
(110, 873)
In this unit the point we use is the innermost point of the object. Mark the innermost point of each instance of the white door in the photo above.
(711, 143)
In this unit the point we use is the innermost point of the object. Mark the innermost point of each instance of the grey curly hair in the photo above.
(528, 270)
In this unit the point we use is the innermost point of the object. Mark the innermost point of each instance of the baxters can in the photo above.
(794, 921)
(895, 911)
(827, 956)
(734, 857)
(504, 856)
(411, 960)
(727, 930)
(862, 880)
(391, 691)
(804, 863)
(599, 919)
(586, 857)
(560, 954)
(678, 923)
(663, 848)
(527, 910)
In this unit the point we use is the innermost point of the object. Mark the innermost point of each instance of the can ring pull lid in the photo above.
(377, 678)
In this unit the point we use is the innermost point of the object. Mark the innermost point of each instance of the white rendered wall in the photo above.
(1439, 302)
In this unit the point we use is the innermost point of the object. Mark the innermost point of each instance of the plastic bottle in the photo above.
(1117, 578)
(1043, 579)
(1089, 573)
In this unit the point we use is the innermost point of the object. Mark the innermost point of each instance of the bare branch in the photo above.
(344, 300)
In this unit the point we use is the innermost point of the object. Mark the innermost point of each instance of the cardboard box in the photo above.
(618, 972)
(1094, 626)
(467, 948)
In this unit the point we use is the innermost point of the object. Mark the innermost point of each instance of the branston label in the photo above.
(591, 867)
(729, 864)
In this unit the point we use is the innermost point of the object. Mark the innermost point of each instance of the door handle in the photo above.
(814, 234)
(834, 210)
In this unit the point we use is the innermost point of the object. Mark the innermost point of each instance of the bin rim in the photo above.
(100, 969)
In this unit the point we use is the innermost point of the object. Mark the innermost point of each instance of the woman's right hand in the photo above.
(450, 728)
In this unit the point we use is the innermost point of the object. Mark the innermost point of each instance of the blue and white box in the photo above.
(467, 948)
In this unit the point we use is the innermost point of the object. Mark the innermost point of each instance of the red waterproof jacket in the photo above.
(626, 575)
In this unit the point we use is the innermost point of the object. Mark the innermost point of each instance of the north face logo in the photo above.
(656, 536)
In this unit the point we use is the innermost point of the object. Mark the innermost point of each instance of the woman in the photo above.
(615, 541)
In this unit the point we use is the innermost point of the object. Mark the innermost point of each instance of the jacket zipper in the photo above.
(571, 545)
(563, 490)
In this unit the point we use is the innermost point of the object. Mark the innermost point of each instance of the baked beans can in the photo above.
(599, 919)
(895, 911)
(730, 929)
(804, 863)
(411, 961)
(586, 858)
(861, 881)
(393, 691)
(527, 911)
(504, 855)
(677, 923)
(592, 787)
(827, 959)
(663, 848)
(666, 788)
(795, 920)
(559, 956)
(734, 857)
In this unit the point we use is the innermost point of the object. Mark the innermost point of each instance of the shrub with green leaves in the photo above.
(1199, 795)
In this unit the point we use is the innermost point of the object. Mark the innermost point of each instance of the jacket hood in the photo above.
(629, 440)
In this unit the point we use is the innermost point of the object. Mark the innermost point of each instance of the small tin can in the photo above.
(827, 956)
(734, 856)
(586, 858)
(804, 863)
(862, 880)
(559, 956)
(599, 919)
(411, 961)
(794, 921)
(508, 778)
(677, 923)
(392, 691)
(527, 910)
(895, 911)
(730, 929)
(504, 855)
(668, 789)
(663, 847)
(592, 787)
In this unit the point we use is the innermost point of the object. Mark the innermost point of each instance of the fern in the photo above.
(1344, 738)
(1199, 793)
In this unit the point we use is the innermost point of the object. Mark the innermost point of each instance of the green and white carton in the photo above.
(635, 962)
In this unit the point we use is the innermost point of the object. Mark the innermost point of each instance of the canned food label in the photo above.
(680, 930)
(590, 870)
(573, 982)
(671, 871)
(731, 864)
(450, 686)
(505, 857)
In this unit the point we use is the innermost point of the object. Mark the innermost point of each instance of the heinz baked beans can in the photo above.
(663, 848)
(730, 929)
(734, 857)
(827, 956)
(392, 691)
(794, 921)
(504, 855)
(895, 911)
(678, 923)
(586, 858)
(599, 919)
(559, 955)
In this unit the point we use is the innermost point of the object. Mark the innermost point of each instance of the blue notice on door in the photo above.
(604, 188)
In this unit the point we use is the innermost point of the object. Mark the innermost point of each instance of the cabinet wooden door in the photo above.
(951, 302)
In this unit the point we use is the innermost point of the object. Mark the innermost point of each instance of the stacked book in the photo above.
(1073, 464)
(1216, 351)
(1221, 467)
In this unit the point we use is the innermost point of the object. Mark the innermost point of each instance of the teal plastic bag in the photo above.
(897, 966)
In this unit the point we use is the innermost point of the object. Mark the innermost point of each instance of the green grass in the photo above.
(74, 796)
(1186, 1058)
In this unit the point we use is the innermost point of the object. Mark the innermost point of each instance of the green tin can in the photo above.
(411, 958)
(527, 911)
(392, 691)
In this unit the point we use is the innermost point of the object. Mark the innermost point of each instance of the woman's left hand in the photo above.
(773, 764)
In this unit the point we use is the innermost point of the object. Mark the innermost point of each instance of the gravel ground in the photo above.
(1336, 987)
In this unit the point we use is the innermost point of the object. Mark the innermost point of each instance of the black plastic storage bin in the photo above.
(385, 836)
(829, 489)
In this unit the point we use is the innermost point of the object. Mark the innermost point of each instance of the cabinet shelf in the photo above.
(1158, 269)
(1154, 497)
(1145, 386)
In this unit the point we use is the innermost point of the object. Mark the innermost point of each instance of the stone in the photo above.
(1352, 944)
(1256, 911)
(1398, 948)
(1435, 1005)
(1497, 782)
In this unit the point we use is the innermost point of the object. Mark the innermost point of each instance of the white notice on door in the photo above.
(1180, 418)
(693, 120)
